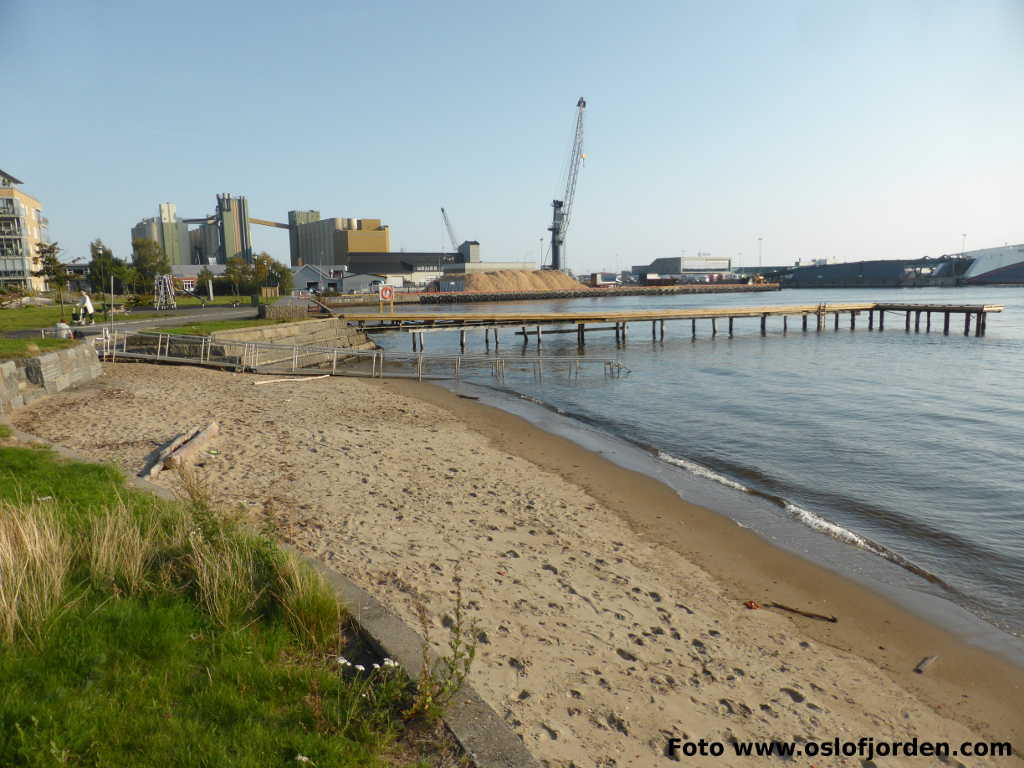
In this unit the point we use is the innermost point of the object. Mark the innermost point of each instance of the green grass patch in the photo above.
(205, 329)
(11, 349)
(5, 432)
(137, 631)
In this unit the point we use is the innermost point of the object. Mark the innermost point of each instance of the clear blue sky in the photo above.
(843, 130)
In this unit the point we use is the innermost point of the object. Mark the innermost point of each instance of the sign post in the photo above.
(386, 294)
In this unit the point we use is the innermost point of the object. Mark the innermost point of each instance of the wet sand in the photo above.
(609, 612)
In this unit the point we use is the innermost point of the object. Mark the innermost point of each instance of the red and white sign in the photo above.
(386, 292)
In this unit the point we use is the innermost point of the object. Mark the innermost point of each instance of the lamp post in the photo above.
(759, 242)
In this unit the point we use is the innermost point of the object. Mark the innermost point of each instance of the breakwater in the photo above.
(464, 297)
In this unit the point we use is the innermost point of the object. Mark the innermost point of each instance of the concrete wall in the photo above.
(333, 332)
(22, 381)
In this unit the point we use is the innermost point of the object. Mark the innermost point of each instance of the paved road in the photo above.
(172, 318)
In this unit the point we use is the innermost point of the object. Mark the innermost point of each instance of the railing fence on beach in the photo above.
(269, 358)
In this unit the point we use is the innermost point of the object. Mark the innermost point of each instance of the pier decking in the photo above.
(534, 323)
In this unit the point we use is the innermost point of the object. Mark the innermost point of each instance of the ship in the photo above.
(996, 266)
(986, 266)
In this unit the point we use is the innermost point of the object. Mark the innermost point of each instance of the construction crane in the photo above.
(451, 231)
(563, 208)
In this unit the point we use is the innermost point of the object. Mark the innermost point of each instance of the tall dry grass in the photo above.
(121, 550)
(35, 557)
(310, 605)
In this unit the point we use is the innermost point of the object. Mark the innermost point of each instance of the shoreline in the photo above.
(609, 612)
(868, 618)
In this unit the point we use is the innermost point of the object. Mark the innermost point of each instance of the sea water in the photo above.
(896, 457)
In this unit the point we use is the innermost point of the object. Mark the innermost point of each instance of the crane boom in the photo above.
(451, 231)
(563, 208)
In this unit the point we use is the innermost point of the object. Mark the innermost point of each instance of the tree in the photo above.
(52, 269)
(103, 266)
(204, 278)
(149, 260)
(129, 276)
(267, 271)
(238, 273)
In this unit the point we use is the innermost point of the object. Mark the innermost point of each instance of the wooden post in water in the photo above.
(907, 326)
(917, 321)
(764, 321)
(805, 321)
(881, 319)
(714, 326)
(837, 322)
(421, 341)
(654, 330)
(624, 331)
(538, 336)
(945, 324)
(785, 324)
(928, 322)
(871, 319)
(495, 329)
(967, 323)
(693, 328)
(579, 334)
(413, 335)
(983, 322)
(662, 330)
(526, 339)
(730, 327)
(853, 319)
(462, 339)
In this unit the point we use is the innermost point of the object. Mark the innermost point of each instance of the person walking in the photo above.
(87, 311)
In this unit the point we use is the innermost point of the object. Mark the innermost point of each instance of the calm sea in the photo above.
(894, 456)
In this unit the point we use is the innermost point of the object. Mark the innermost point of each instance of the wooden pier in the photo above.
(536, 323)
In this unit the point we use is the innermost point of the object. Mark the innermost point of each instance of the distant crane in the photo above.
(451, 230)
(563, 208)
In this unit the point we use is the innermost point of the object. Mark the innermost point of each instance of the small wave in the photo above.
(810, 519)
(845, 535)
(702, 471)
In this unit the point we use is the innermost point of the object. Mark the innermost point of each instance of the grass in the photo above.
(205, 329)
(137, 631)
(11, 349)
(32, 318)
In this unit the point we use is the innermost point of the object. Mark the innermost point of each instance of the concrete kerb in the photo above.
(482, 734)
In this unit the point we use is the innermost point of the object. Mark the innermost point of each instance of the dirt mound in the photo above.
(517, 280)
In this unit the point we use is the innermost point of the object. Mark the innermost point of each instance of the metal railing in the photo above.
(267, 357)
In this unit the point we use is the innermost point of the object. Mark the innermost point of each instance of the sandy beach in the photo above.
(608, 611)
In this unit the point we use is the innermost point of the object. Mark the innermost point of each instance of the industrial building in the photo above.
(674, 268)
(222, 235)
(170, 232)
(326, 242)
(22, 228)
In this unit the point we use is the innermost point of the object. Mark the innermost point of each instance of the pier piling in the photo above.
(714, 326)
(764, 323)
(730, 327)
(871, 319)
(945, 324)
(805, 322)
(881, 319)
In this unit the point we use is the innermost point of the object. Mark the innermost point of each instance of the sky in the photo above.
(803, 130)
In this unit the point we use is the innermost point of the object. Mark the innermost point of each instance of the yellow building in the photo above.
(330, 241)
(22, 228)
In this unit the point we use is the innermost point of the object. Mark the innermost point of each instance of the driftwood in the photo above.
(157, 464)
(293, 379)
(799, 612)
(186, 452)
(924, 663)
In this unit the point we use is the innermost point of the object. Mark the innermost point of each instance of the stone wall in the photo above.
(330, 332)
(22, 381)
